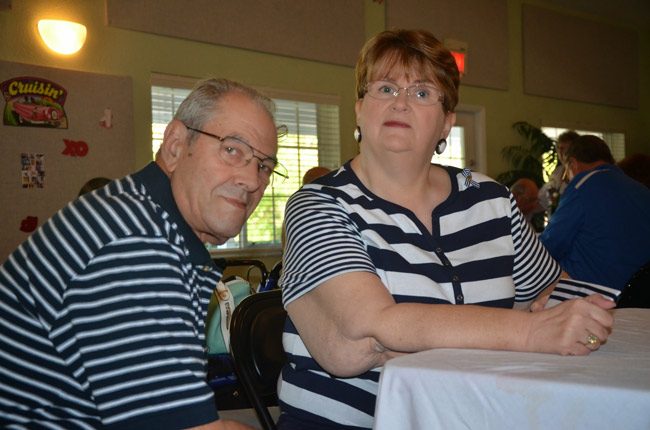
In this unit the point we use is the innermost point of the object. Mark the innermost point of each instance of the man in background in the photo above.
(600, 231)
(314, 173)
(551, 192)
(637, 167)
(525, 191)
(102, 309)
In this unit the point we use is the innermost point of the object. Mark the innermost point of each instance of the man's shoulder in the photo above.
(121, 209)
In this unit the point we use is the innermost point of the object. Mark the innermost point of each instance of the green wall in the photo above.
(128, 53)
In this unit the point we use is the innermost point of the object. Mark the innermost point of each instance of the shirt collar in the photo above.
(159, 189)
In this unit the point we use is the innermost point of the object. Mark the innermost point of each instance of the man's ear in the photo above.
(175, 142)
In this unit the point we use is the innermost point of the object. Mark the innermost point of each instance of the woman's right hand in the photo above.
(568, 328)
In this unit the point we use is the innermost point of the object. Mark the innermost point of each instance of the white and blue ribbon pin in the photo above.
(469, 182)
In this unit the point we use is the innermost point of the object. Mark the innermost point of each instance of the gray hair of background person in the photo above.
(589, 149)
(411, 50)
(202, 102)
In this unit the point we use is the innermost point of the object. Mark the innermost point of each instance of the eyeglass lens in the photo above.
(238, 154)
(423, 94)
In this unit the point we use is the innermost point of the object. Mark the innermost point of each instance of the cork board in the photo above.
(572, 58)
(329, 31)
(59, 129)
(483, 25)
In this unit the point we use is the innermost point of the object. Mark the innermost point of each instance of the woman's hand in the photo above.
(569, 328)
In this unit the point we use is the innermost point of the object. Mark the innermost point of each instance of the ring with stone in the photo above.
(592, 340)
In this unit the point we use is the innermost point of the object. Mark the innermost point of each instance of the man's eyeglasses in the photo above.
(421, 94)
(237, 153)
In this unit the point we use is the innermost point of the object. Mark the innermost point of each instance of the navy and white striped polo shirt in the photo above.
(102, 315)
(481, 251)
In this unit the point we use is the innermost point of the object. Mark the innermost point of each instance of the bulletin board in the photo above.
(59, 128)
(482, 25)
(331, 31)
(573, 58)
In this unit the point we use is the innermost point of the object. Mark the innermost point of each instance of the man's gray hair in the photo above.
(202, 102)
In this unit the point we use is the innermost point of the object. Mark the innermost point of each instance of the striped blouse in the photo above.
(102, 315)
(481, 251)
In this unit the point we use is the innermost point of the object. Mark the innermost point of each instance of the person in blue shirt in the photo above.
(600, 232)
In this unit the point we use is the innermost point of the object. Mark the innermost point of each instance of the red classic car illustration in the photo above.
(37, 114)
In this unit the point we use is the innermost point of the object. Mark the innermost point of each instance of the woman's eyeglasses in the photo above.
(421, 94)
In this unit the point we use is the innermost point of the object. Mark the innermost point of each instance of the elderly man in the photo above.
(600, 232)
(102, 309)
(525, 192)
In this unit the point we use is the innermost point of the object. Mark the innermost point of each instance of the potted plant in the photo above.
(525, 159)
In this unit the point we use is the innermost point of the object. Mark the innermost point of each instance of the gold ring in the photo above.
(592, 340)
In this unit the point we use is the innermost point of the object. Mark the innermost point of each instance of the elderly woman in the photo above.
(380, 253)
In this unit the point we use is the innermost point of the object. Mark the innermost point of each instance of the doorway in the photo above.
(466, 144)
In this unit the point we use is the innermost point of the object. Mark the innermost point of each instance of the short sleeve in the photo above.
(322, 242)
(534, 269)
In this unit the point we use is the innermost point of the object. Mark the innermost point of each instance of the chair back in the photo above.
(273, 279)
(256, 348)
(636, 293)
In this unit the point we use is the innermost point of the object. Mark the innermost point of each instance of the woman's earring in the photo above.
(357, 134)
(440, 147)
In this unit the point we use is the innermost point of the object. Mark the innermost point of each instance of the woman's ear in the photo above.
(175, 142)
(357, 108)
(450, 120)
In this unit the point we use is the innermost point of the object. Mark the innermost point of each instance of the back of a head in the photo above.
(525, 191)
(589, 149)
(523, 186)
(568, 136)
(637, 166)
(93, 184)
(314, 173)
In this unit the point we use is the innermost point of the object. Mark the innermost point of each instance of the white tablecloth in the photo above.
(477, 389)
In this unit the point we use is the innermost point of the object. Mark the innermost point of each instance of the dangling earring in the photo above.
(357, 134)
(440, 147)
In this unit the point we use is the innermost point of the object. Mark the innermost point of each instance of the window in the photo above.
(164, 102)
(312, 140)
(615, 141)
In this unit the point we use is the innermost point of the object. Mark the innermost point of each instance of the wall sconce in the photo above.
(64, 37)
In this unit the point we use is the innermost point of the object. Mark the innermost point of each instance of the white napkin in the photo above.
(567, 289)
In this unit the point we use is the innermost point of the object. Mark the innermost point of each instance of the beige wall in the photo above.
(128, 53)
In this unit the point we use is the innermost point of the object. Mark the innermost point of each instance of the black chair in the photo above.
(225, 263)
(228, 392)
(273, 279)
(256, 348)
(636, 293)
